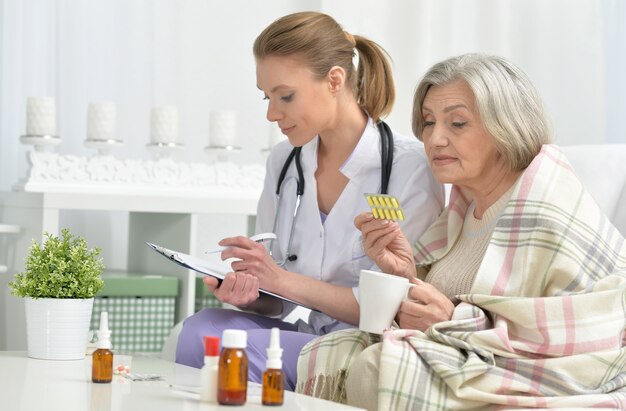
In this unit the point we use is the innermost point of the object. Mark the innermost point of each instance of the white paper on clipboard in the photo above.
(215, 268)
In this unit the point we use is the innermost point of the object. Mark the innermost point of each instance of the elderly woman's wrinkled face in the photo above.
(459, 149)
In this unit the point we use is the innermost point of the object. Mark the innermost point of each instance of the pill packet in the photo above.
(143, 377)
(385, 207)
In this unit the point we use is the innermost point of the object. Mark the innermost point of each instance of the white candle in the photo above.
(222, 128)
(41, 117)
(101, 121)
(275, 135)
(164, 124)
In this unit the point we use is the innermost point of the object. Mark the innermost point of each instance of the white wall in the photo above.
(574, 50)
(197, 55)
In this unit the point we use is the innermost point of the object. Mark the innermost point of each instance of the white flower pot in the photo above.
(57, 328)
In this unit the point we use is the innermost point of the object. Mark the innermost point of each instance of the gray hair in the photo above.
(509, 105)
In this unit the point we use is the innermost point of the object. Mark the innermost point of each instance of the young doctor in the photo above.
(330, 109)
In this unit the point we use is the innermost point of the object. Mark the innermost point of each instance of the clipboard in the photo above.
(215, 268)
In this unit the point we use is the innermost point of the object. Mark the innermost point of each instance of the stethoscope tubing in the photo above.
(386, 158)
(288, 256)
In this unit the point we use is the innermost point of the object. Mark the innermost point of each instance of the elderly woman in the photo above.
(520, 297)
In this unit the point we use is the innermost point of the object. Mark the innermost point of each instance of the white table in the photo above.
(29, 384)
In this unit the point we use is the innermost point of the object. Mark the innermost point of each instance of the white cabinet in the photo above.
(177, 221)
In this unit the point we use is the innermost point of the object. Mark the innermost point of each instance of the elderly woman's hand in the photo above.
(386, 245)
(426, 306)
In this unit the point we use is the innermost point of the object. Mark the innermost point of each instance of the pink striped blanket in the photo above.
(542, 327)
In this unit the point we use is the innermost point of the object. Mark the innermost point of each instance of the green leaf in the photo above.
(61, 267)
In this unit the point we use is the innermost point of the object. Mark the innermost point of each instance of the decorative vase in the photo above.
(57, 328)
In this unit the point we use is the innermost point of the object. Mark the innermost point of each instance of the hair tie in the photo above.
(350, 38)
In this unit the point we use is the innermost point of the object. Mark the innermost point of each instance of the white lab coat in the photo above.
(333, 251)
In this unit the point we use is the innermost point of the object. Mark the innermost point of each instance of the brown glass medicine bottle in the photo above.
(102, 358)
(232, 375)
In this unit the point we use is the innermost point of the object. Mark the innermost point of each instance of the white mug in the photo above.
(380, 296)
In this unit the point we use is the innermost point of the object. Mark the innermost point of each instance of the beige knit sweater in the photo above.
(454, 274)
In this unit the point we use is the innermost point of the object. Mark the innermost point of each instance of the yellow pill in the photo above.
(400, 215)
(375, 200)
(375, 212)
(395, 202)
(393, 214)
(388, 202)
(369, 201)
(387, 214)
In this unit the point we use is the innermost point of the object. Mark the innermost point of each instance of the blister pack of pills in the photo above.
(143, 377)
(385, 207)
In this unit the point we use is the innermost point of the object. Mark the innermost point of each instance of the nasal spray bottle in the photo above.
(208, 373)
(273, 377)
(102, 359)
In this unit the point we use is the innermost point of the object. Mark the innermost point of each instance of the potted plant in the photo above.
(61, 278)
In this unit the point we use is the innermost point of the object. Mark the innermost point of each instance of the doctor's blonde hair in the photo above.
(321, 43)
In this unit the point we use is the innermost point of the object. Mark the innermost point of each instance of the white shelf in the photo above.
(171, 219)
(9, 229)
(244, 202)
(166, 202)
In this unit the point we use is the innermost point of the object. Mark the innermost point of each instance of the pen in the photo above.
(259, 238)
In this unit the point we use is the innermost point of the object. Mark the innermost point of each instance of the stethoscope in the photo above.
(386, 159)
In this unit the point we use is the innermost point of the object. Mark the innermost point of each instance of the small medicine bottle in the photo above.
(232, 379)
(273, 377)
(208, 373)
(102, 358)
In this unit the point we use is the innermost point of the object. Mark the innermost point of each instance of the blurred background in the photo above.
(196, 55)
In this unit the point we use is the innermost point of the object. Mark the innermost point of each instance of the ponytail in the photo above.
(375, 89)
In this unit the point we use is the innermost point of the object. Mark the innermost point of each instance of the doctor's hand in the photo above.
(253, 259)
(386, 245)
(238, 289)
(424, 307)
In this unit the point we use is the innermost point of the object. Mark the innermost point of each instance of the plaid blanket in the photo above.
(542, 327)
